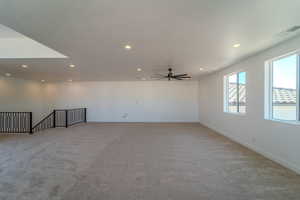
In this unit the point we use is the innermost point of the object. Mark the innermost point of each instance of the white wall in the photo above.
(140, 101)
(22, 96)
(278, 141)
(106, 101)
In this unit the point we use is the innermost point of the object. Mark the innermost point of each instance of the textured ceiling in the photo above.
(186, 34)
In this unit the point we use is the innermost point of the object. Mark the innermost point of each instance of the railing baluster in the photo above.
(21, 122)
(15, 122)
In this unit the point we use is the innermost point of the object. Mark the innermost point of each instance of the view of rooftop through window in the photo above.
(284, 88)
(242, 92)
(232, 101)
(235, 93)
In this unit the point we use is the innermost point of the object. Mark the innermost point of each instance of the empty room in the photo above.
(150, 100)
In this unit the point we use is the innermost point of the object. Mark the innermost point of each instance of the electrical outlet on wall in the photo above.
(125, 116)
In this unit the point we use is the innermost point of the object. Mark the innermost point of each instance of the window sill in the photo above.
(284, 121)
(235, 113)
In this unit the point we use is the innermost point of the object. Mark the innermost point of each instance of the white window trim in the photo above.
(269, 92)
(226, 90)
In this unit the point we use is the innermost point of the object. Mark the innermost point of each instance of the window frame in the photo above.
(269, 115)
(226, 93)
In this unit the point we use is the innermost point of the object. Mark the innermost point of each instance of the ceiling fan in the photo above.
(171, 76)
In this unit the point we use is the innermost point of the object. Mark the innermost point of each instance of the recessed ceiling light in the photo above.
(42, 81)
(201, 69)
(8, 74)
(128, 47)
(25, 66)
(72, 66)
(236, 45)
(139, 69)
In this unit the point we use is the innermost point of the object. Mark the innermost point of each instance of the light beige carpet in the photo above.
(138, 162)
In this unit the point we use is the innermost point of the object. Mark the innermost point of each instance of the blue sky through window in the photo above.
(285, 72)
(242, 77)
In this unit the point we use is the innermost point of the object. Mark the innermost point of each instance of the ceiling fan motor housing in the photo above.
(170, 74)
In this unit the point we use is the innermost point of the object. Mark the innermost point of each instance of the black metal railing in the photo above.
(15, 122)
(60, 118)
(66, 118)
(75, 116)
(21, 122)
(47, 122)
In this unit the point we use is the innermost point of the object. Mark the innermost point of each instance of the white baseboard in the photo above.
(253, 147)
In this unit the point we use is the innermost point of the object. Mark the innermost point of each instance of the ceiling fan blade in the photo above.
(177, 78)
(178, 75)
(186, 77)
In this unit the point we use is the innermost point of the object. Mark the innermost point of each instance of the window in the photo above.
(283, 89)
(235, 93)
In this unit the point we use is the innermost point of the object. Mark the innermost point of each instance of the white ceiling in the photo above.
(15, 45)
(187, 34)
